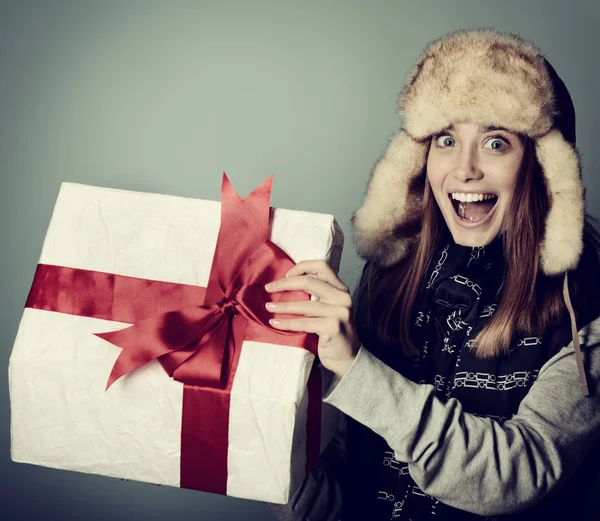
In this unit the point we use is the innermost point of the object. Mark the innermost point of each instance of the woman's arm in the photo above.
(319, 498)
(474, 463)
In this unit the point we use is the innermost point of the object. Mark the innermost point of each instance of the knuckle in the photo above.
(347, 300)
(282, 307)
(345, 314)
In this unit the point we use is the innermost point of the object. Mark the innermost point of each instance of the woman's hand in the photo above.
(329, 317)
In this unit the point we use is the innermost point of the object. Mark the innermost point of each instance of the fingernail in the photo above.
(274, 322)
(270, 305)
(269, 286)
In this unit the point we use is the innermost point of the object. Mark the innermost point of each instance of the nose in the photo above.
(466, 166)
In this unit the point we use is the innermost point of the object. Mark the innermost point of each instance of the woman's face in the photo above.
(473, 173)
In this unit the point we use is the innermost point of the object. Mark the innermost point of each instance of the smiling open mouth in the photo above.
(473, 207)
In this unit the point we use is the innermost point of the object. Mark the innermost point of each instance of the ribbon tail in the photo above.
(127, 361)
(237, 333)
(203, 368)
(155, 337)
(211, 364)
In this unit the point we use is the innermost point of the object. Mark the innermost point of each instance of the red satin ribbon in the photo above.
(195, 333)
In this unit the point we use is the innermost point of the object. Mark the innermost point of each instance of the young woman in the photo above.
(468, 362)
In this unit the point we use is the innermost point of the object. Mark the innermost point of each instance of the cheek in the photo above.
(507, 178)
(506, 172)
(435, 173)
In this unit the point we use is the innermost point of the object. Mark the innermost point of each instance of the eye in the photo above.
(444, 141)
(498, 144)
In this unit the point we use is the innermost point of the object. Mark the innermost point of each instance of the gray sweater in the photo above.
(504, 469)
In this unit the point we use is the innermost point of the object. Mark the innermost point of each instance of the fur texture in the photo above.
(483, 77)
(487, 78)
(563, 241)
(391, 215)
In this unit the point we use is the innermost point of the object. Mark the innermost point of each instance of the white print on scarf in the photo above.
(460, 279)
(418, 492)
(448, 348)
(420, 318)
(488, 311)
(434, 505)
(396, 512)
(385, 496)
(529, 341)
(476, 252)
(393, 463)
(439, 382)
(492, 382)
(454, 322)
(438, 266)
(397, 509)
(390, 461)
(445, 304)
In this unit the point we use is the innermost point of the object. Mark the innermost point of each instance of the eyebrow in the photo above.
(481, 128)
(485, 130)
(449, 128)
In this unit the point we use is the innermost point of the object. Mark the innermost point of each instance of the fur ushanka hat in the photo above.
(491, 79)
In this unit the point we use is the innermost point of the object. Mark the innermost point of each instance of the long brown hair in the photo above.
(529, 301)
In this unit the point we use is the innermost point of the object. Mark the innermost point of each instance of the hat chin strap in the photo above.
(583, 384)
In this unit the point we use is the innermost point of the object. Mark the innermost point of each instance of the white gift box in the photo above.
(63, 417)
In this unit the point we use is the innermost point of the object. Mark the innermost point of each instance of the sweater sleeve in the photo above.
(319, 497)
(474, 463)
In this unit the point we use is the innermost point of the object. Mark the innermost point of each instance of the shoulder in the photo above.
(589, 335)
(560, 372)
(586, 277)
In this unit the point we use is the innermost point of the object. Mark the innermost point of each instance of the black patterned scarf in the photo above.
(456, 300)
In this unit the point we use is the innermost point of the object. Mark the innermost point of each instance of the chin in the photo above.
(472, 238)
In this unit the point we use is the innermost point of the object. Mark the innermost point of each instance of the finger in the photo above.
(319, 288)
(309, 308)
(306, 325)
(320, 269)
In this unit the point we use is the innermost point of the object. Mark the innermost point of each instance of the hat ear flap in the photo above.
(563, 240)
(393, 205)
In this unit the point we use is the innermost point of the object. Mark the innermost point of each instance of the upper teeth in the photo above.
(470, 198)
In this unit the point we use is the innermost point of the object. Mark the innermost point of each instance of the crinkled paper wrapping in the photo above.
(61, 415)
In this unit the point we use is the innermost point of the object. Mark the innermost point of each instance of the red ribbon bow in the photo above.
(196, 345)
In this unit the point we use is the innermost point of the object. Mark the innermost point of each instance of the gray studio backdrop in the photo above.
(163, 96)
